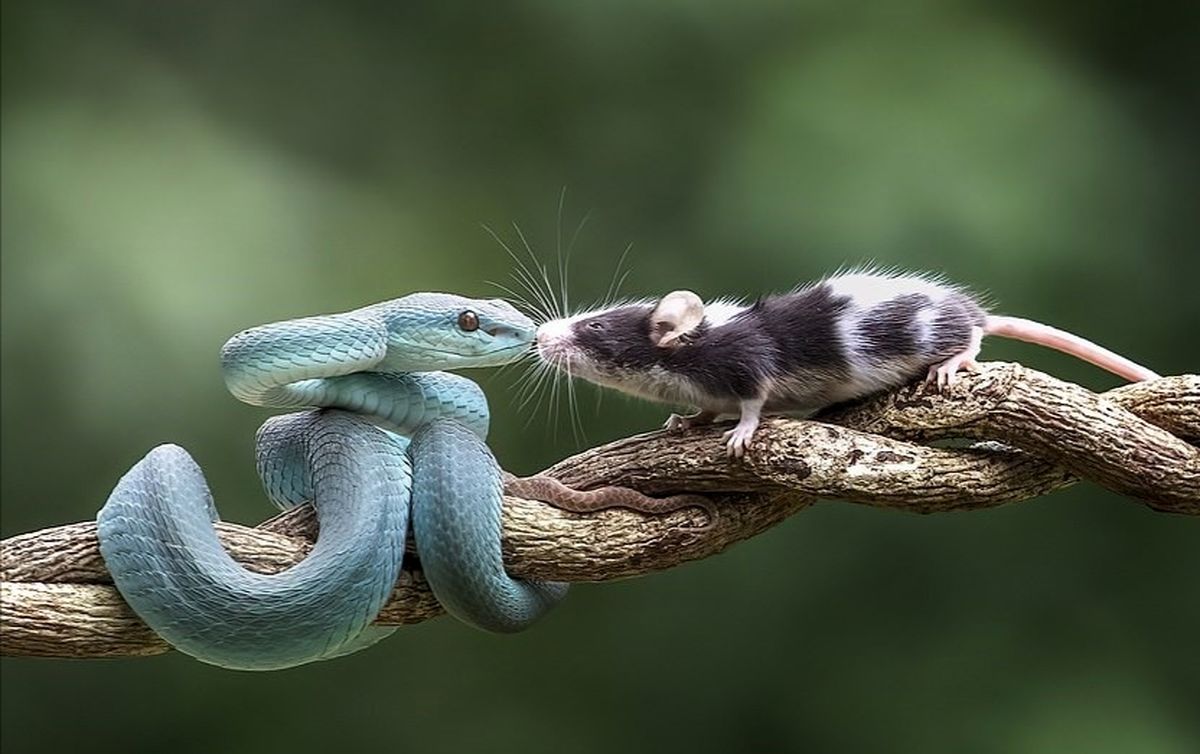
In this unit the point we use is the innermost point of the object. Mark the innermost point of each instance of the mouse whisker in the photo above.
(573, 404)
(558, 251)
(522, 301)
(564, 258)
(541, 268)
(578, 229)
(540, 377)
(551, 405)
(532, 380)
(526, 279)
(614, 285)
(528, 359)
(562, 388)
(522, 274)
(570, 247)
(513, 297)
(533, 412)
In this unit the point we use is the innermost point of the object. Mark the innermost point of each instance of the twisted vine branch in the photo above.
(1038, 433)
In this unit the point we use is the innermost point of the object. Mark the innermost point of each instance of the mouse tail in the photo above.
(1060, 340)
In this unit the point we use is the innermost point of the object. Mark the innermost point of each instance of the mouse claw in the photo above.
(737, 441)
(675, 423)
(936, 377)
(945, 375)
(942, 376)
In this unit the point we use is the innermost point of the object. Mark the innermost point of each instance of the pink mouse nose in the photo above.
(554, 331)
(552, 337)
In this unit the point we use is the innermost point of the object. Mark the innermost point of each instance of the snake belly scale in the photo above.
(387, 437)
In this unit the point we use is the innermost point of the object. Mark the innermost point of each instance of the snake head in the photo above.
(445, 331)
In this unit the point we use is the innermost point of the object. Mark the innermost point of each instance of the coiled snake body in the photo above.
(392, 439)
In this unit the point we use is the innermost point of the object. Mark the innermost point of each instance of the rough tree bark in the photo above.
(1039, 434)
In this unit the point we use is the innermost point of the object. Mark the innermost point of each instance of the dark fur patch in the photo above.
(803, 325)
(950, 330)
(725, 361)
(890, 329)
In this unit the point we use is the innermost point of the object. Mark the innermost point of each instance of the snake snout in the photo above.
(508, 338)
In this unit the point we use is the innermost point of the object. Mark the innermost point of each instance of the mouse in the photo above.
(837, 339)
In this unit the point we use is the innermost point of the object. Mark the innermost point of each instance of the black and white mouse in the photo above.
(840, 338)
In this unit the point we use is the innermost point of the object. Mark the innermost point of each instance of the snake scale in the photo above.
(387, 441)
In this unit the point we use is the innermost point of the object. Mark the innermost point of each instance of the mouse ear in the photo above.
(677, 314)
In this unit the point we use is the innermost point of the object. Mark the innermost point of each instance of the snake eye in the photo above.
(468, 321)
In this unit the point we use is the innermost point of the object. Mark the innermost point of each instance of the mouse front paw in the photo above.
(738, 439)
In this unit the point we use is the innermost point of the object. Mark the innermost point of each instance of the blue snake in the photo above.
(388, 437)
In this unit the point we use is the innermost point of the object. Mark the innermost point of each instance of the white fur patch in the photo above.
(869, 289)
(924, 320)
(722, 310)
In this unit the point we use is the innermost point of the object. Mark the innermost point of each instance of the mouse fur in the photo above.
(826, 342)
(837, 339)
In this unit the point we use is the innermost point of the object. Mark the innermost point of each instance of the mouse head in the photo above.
(621, 344)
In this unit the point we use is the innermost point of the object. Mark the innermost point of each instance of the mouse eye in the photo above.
(595, 325)
(468, 321)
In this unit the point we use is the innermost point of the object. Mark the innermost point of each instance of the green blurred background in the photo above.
(174, 172)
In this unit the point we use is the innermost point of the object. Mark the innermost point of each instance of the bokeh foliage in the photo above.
(174, 172)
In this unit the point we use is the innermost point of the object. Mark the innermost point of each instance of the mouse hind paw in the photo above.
(682, 422)
(945, 374)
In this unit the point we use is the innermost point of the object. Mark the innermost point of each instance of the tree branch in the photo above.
(1040, 434)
